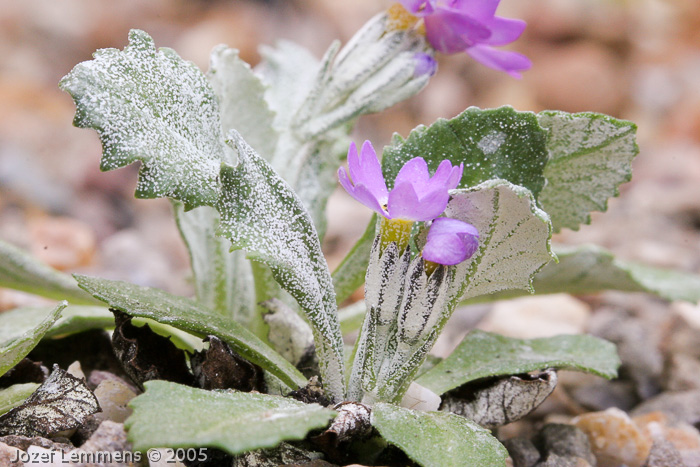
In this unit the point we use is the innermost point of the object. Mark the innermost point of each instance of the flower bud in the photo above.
(380, 66)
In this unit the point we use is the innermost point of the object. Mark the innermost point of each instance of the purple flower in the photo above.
(425, 65)
(450, 241)
(415, 196)
(471, 26)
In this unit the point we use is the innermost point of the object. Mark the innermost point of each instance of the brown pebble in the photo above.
(615, 438)
(61, 242)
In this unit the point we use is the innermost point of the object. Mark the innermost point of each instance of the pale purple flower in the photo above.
(416, 196)
(425, 65)
(450, 241)
(471, 26)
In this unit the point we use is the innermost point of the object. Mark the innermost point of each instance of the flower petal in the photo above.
(402, 201)
(450, 241)
(504, 30)
(366, 197)
(448, 225)
(365, 170)
(502, 60)
(405, 203)
(414, 172)
(479, 9)
(419, 7)
(451, 31)
(446, 178)
(425, 65)
(345, 181)
(455, 177)
(442, 174)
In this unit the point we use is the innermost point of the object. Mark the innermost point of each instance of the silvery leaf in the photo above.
(241, 95)
(590, 155)
(483, 355)
(151, 106)
(263, 216)
(514, 237)
(193, 317)
(590, 268)
(492, 144)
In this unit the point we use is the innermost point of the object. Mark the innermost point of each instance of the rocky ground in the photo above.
(637, 60)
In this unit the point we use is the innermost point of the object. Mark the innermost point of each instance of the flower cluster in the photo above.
(416, 196)
(471, 26)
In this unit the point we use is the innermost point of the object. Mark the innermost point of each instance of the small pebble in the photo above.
(684, 438)
(682, 373)
(615, 438)
(113, 397)
(8, 454)
(61, 242)
(522, 451)
(681, 406)
(76, 370)
(566, 441)
(664, 454)
(539, 316)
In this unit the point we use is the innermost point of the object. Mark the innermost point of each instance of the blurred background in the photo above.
(634, 59)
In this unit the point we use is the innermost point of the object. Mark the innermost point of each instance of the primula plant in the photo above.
(465, 210)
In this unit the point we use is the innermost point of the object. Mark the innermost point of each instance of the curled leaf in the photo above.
(351, 424)
(62, 402)
(495, 402)
(146, 355)
(219, 367)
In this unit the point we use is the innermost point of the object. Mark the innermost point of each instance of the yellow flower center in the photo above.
(399, 18)
(395, 230)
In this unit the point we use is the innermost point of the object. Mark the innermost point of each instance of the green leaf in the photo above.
(223, 280)
(438, 439)
(190, 316)
(176, 416)
(583, 157)
(513, 238)
(73, 319)
(666, 283)
(493, 144)
(14, 396)
(350, 273)
(590, 155)
(262, 215)
(241, 97)
(151, 106)
(21, 271)
(19, 336)
(351, 316)
(589, 268)
(482, 354)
